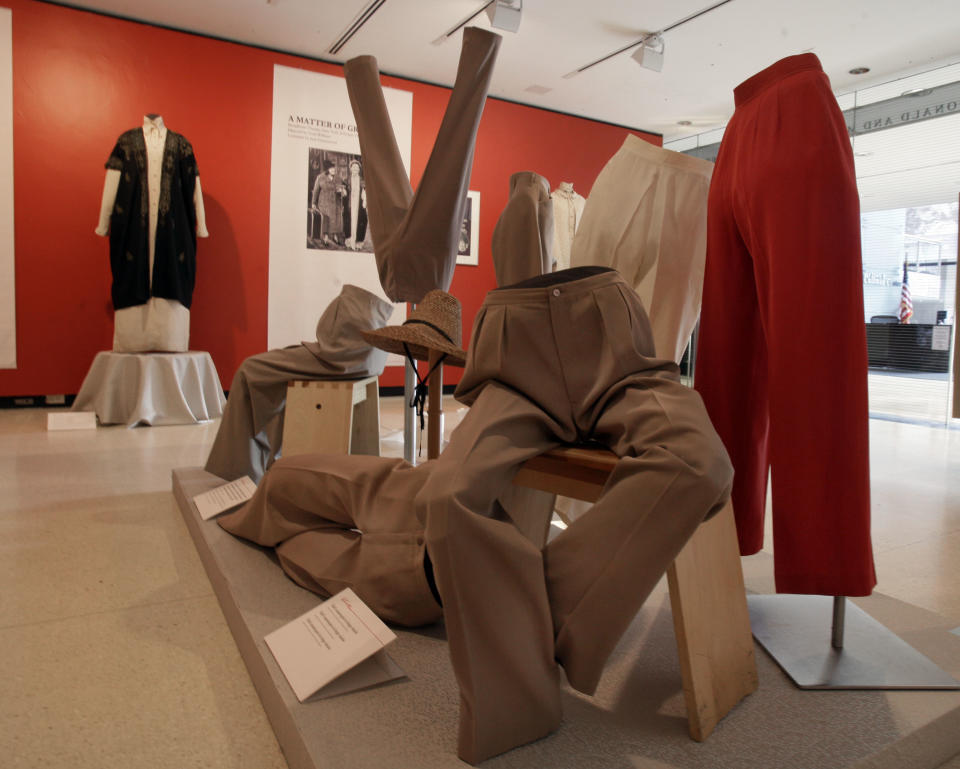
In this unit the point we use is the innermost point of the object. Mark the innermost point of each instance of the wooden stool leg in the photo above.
(712, 624)
(435, 407)
(365, 434)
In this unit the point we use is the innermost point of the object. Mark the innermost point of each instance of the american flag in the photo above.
(906, 305)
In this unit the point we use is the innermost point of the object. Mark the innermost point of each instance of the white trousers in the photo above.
(646, 217)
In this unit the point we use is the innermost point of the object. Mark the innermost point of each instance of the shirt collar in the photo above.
(154, 126)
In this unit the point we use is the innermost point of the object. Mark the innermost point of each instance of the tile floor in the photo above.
(115, 653)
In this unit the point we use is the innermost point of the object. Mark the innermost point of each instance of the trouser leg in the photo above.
(345, 521)
(672, 473)
(416, 245)
(681, 205)
(388, 188)
(731, 369)
(237, 450)
(251, 429)
(491, 578)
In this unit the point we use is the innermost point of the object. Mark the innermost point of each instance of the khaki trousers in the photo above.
(312, 508)
(522, 243)
(415, 236)
(646, 217)
(560, 362)
(563, 358)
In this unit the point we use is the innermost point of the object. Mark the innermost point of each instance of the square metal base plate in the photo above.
(795, 631)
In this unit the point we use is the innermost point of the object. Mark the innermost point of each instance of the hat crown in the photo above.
(441, 311)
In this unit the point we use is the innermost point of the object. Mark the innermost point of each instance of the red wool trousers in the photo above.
(781, 360)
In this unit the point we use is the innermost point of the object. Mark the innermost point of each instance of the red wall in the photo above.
(81, 79)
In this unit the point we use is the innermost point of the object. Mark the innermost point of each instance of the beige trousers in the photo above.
(566, 359)
(522, 243)
(646, 217)
(415, 236)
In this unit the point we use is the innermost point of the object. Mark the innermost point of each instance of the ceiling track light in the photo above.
(649, 54)
(644, 38)
(504, 15)
(362, 18)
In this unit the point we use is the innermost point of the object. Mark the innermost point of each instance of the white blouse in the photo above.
(567, 209)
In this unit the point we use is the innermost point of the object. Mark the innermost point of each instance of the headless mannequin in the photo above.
(567, 209)
(160, 324)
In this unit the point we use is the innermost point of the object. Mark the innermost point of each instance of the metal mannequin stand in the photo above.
(409, 414)
(434, 411)
(856, 653)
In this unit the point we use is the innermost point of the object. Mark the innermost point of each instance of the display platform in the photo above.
(160, 388)
(637, 718)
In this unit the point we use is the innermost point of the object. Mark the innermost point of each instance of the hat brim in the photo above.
(419, 340)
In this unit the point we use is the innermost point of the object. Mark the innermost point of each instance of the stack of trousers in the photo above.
(415, 237)
(563, 358)
(782, 359)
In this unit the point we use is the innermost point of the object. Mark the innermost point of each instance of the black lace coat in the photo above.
(174, 263)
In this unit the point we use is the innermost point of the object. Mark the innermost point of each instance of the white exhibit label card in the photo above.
(340, 636)
(71, 420)
(222, 498)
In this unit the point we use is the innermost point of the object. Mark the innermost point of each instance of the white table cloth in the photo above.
(152, 388)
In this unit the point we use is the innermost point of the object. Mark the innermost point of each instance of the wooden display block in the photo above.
(332, 417)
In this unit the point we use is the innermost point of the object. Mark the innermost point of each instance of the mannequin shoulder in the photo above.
(183, 145)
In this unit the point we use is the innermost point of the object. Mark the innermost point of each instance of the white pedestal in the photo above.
(152, 388)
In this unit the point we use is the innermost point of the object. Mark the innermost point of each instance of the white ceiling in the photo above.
(704, 58)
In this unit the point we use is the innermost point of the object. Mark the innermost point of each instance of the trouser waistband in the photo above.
(651, 153)
(574, 279)
(773, 74)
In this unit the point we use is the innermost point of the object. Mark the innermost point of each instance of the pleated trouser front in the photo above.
(782, 363)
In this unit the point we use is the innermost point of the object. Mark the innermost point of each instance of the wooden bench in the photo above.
(707, 594)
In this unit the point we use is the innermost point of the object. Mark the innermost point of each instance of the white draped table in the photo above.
(162, 388)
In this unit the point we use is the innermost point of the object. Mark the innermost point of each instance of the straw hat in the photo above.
(434, 324)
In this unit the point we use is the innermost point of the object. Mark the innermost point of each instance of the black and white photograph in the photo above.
(336, 202)
(467, 249)
(320, 234)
